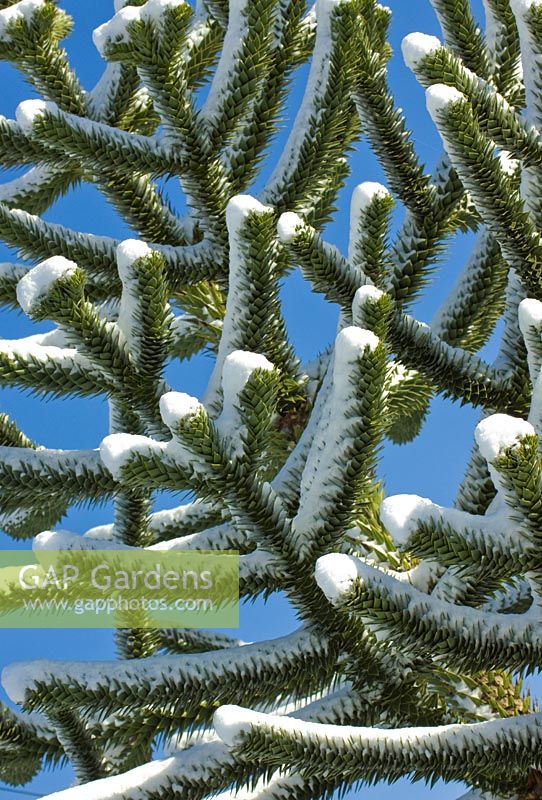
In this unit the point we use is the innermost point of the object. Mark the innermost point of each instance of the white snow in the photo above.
(287, 226)
(46, 348)
(535, 412)
(530, 315)
(335, 573)
(153, 9)
(42, 461)
(439, 96)
(178, 516)
(499, 431)
(364, 195)
(231, 721)
(238, 367)
(128, 251)
(508, 163)
(521, 7)
(27, 111)
(238, 209)
(118, 448)
(116, 28)
(66, 540)
(333, 435)
(157, 778)
(401, 514)
(100, 532)
(530, 323)
(350, 344)
(416, 46)
(176, 406)
(364, 294)
(23, 10)
(35, 285)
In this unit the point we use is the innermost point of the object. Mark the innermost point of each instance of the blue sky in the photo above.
(432, 466)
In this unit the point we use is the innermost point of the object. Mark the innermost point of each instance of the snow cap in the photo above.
(116, 28)
(530, 314)
(153, 9)
(16, 678)
(287, 226)
(27, 111)
(401, 514)
(118, 448)
(363, 195)
(62, 540)
(128, 251)
(23, 10)
(230, 722)
(500, 431)
(416, 46)
(352, 341)
(238, 367)
(175, 406)
(363, 295)
(335, 573)
(50, 540)
(238, 209)
(34, 286)
(438, 96)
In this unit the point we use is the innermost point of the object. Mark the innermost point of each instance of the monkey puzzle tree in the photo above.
(416, 621)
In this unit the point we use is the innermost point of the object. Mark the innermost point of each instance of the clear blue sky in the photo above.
(432, 466)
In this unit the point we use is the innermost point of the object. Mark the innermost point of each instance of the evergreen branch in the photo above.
(433, 64)
(345, 449)
(75, 475)
(322, 130)
(462, 34)
(243, 152)
(349, 754)
(44, 364)
(492, 189)
(472, 309)
(101, 145)
(38, 188)
(242, 69)
(146, 683)
(503, 45)
(465, 638)
(421, 239)
(386, 128)
(452, 370)
(166, 80)
(77, 745)
(37, 239)
(33, 46)
(253, 320)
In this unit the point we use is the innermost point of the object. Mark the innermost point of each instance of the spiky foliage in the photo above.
(416, 621)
